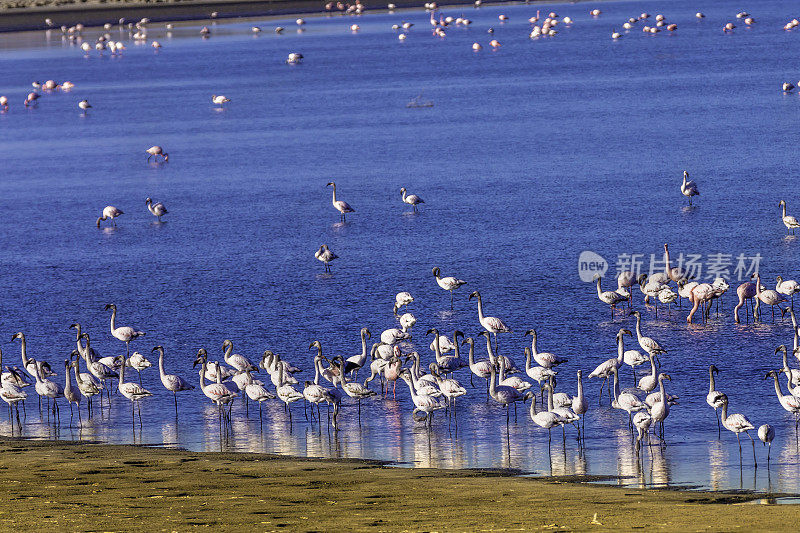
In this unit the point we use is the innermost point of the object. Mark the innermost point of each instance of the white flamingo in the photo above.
(219, 99)
(355, 390)
(789, 402)
(490, 323)
(217, 392)
(611, 298)
(766, 434)
(70, 394)
(110, 212)
(646, 343)
(505, 395)
(325, 255)
(423, 403)
(482, 369)
(660, 410)
(788, 287)
(28, 363)
(448, 283)
(544, 359)
(402, 300)
(411, 199)
(737, 423)
(157, 210)
(714, 397)
(46, 388)
(545, 419)
(134, 392)
(789, 221)
(155, 151)
(124, 333)
(239, 362)
(579, 404)
(171, 382)
(340, 205)
(768, 297)
(792, 373)
(689, 188)
(604, 369)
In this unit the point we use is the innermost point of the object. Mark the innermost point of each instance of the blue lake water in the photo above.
(533, 153)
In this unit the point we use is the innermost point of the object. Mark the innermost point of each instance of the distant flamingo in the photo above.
(689, 188)
(411, 199)
(340, 205)
(789, 221)
(110, 212)
(155, 151)
(609, 297)
(769, 297)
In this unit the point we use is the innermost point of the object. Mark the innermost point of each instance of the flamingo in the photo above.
(490, 323)
(411, 199)
(354, 363)
(789, 402)
(714, 397)
(450, 388)
(480, 368)
(737, 423)
(315, 394)
(545, 419)
(11, 376)
(326, 256)
(512, 381)
(675, 274)
(110, 212)
(101, 371)
(505, 395)
(788, 287)
(330, 374)
(789, 221)
(353, 389)
(625, 282)
(579, 403)
(625, 401)
(158, 209)
(609, 297)
(566, 413)
(402, 300)
(134, 393)
(792, 373)
(393, 335)
(769, 297)
(745, 291)
(543, 359)
(642, 422)
(219, 100)
(28, 363)
(70, 394)
(685, 289)
(699, 295)
(538, 373)
(155, 151)
(138, 362)
(422, 402)
(660, 409)
(340, 205)
(689, 188)
(646, 343)
(46, 388)
(217, 392)
(171, 382)
(765, 434)
(86, 386)
(239, 362)
(605, 368)
(649, 382)
(448, 283)
(124, 333)
(84, 105)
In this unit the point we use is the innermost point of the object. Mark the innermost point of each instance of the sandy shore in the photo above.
(69, 487)
(93, 13)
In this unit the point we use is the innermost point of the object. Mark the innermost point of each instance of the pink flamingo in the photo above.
(392, 371)
(769, 297)
(745, 291)
(699, 295)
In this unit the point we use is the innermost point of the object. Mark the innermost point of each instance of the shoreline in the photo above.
(95, 14)
(82, 486)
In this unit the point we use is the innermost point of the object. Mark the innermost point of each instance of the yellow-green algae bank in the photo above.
(61, 486)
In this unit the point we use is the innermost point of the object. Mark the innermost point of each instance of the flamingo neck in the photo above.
(202, 375)
(161, 363)
(480, 309)
(785, 362)
(528, 365)
(667, 268)
(23, 350)
(549, 398)
(724, 416)
(492, 386)
(436, 348)
(599, 292)
(456, 349)
(663, 392)
(580, 387)
(502, 375)
(778, 385)
(334, 193)
(620, 350)
(122, 374)
(783, 210)
(404, 196)
(78, 379)
(317, 363)
(616, 385)
(471, 354)
(492, 357)
(534, 351)
(228, 350)
(712, 386)
(113, 319)
(68, 382)
(364, 345)
(639, 326)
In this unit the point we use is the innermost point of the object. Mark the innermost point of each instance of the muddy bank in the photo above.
(69, 487)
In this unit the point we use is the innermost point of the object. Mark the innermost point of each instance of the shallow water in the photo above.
(532, 153)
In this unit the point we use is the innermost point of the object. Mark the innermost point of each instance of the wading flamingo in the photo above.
(124, 333)
(110, 212)
(448, 283)
(689, 188)
(340, 205)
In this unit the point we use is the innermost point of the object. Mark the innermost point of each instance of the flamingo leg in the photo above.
(753, 442)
